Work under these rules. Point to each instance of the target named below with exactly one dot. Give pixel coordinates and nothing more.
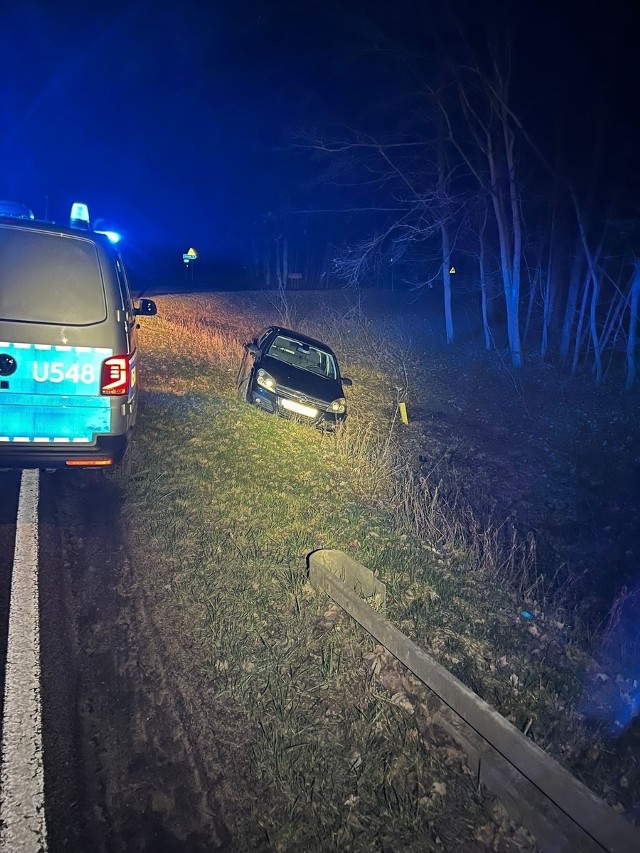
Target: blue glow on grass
(612, 697)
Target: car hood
(309, 384)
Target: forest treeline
(466, 167)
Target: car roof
(16, 223)
(304, 339)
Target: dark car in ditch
(290, 374)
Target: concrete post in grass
(353, 575)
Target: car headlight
(266, 380)
(338, 406)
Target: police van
(68, 345)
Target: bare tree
(571, 302)
(458, 120)
(443, 198)
(418, 207)
(483, 99)
(633, 327)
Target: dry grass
(232, 500)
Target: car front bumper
(306, 411)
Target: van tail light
(115, 378)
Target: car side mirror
(252, 348)
(346, 381)
(146, 307)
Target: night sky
(176, 121)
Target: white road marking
(22, 819)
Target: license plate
(49, 369)
(299, 408)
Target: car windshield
(302, 355)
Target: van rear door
(53, 338)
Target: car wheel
(243, 390)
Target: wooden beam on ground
(561, 812)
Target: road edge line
(22, 811)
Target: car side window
(327, 365)
(263, 337)
(125, 292)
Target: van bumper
(50, 456)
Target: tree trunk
(510, 239)
(446, 281)
(513, 328)
(444, 233)
(593, 276)
(546, 308)
(516, 226)
(285, 263)
(593, 327)
(267, 264)
(483, 289)
(533, 286)
(546, 287)
(633, 327)
(571, 303)
(578, 341)
(611, 328)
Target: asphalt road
(9, 487)
(120, 773)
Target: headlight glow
(338, 406)
(265, 380)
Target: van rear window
(49, 278)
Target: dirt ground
(535, 450)
(557, 458)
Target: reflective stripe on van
(52, 395)
(53, 418)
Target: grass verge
(232, 501)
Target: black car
(293, 375)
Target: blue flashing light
(112, 236)
(79, 217)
